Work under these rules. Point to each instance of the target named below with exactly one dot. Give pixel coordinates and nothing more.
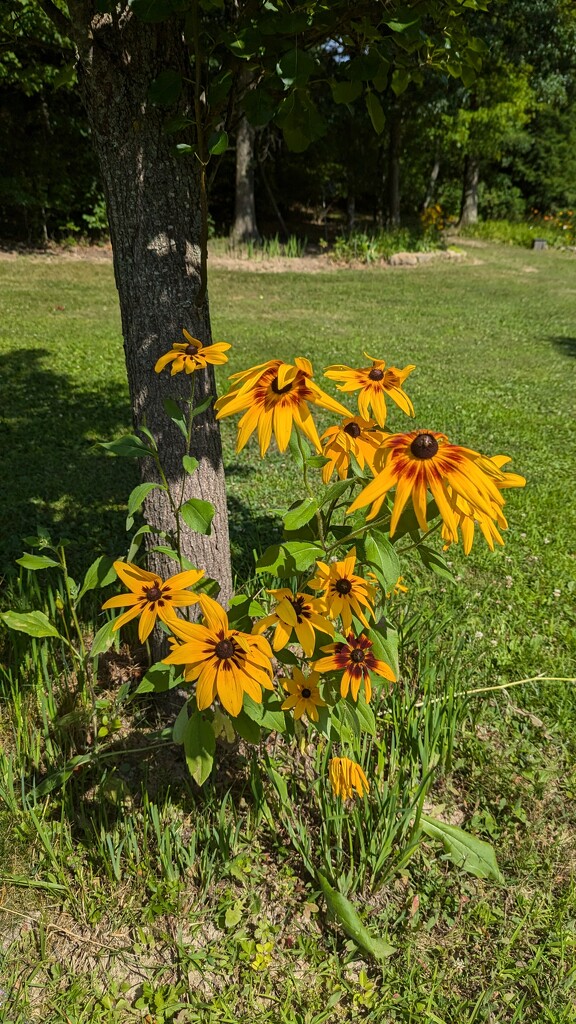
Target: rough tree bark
(245, 227)
(154, 212)
(469, 205)
(393, 175)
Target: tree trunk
(245, 228)
(154, 211)
(393, 176)
(469, 207)
(429, 197)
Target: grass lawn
(128, 893)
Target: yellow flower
(191, 355)
(374, 382)
(298, 613)
(354, 436)
(466, 516)
(347, 778)
(223, 661)
(343, 592)
(151, 597)
(398, 588)
(422, 460)
(356, 659)
(304, 695)
(275, 395)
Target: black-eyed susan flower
(151, 597)
(422, 460)
(354, 436)
(191, 355)
(304, 695)
(356, 661)
(374, 382)
(223, 662)
(295, 613)
(343, 592)
(273, 397)
(467, 517)
(347, 778)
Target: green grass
(128, 892)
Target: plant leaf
(104, 639)
(302, 514)
(347, 915)
(199, 746)
(289, 558)
(198, 515)
(31, 623)
(35, 562)
(466, 851)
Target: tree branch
(56, 16)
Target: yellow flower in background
(224, 662)
(295, 613)
(347, 778)
(398, 588)
(422, 460)
(273, 397)
(374, 382)
(344, 593)
(356, 661)
(151, 597)
(466, 516)
(354, 436)
(191, 355)
(304, 696)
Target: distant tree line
(497, 140)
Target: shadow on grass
(566, 346)
(54, 476)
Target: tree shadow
(566, 346)
(250, 533)
(55, 477)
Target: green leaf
(268, 714)
(346, 92)
(165, 90)
(381, 556)
(218, 143)
(158, 679)
(152, 10)
(199, 746)
(190, 464)
(347, 915)
(259, 106)
(104, 639)
(295, 67)
(469, 853)
(138, 495)
(289, 558)
(31, 623)
(198, 515)
(334, 491)
(365, 714)
(173, 410)
(129, 447)
(385, 648)
(433, 561)
(99, 574)
(374, 108)
(36, 562)
(302, 514)
(202, 406)
(247, 728)
(180, 725)
(184, 149)
(400, 80)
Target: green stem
(319, 518)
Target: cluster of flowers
(274, 397)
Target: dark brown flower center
(280, 391)
(357, 655)
(225, 649)
(190, 350)
(343, 586)
(424, 446)
(306, 693)
(376, 374)
(153, 593)
(353, 429)
(298, 604)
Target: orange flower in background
(344, 593)
(295, 613)
(354, 436)
(274, 397)
(422, 460)
(304, 695)
(374, 382)
(191, 355)
(347, 778)
(357, 661)
(224, 662)
(151, 597)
